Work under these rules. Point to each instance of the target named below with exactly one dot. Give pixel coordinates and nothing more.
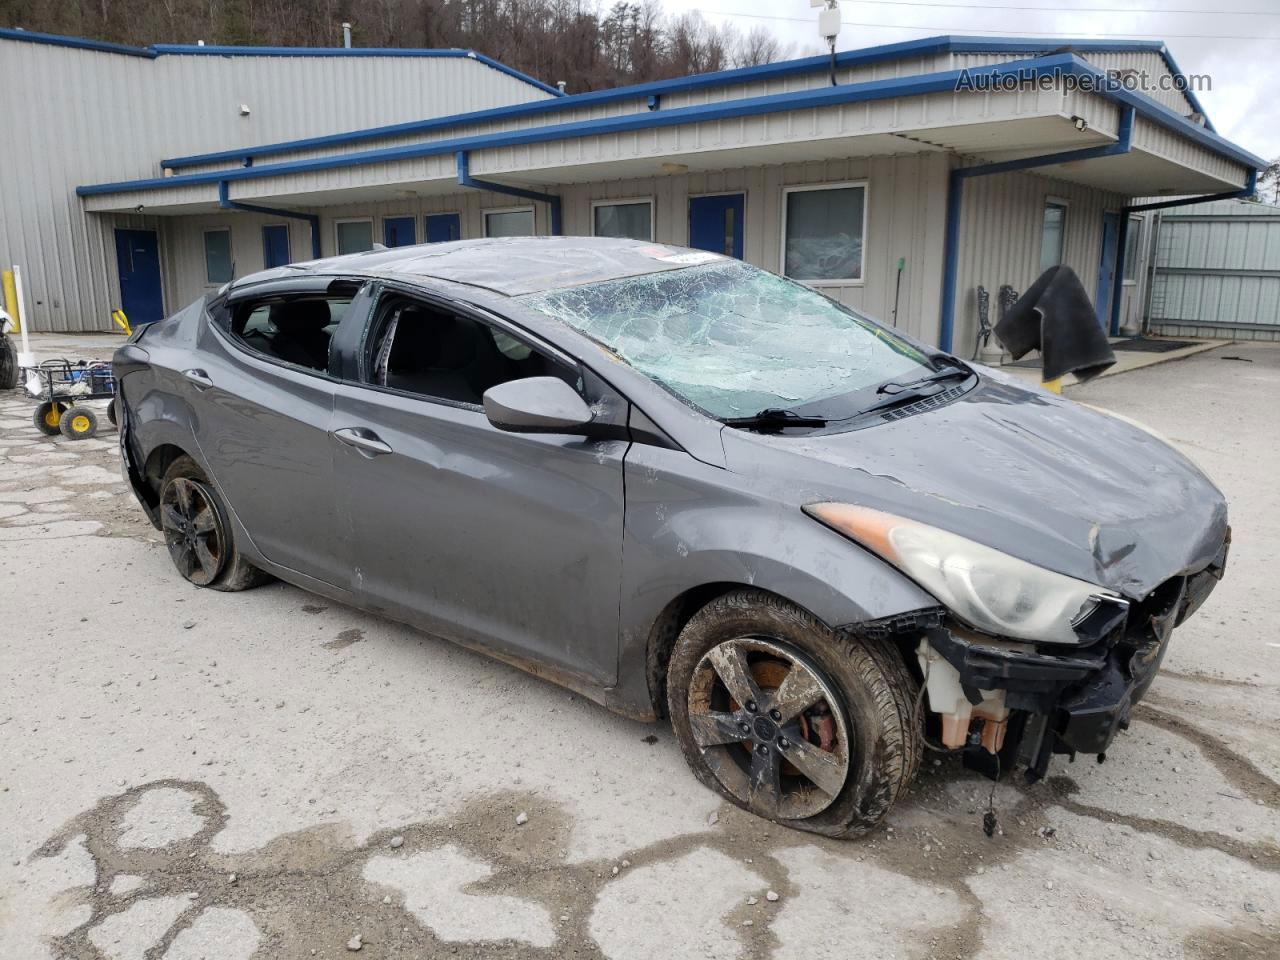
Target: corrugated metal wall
(1217, 271)
(1001, 226)
(906, 199)
(76, 116)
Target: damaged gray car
(686, 488)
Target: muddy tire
(8, 364)
(78, 423)
(198, 533)
(48, 417)
(112, 417)
(810, 730)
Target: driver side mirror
(536, 405)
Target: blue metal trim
(752, 106)
(465, 178)
(226, 203)
(951, 255)
(655, 89)
(1248, 190)
(57, 40)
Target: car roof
(510, 266)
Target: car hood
(1024, 471)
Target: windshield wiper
(774, 418)
(899, 394)
(896, 388)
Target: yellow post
(1053, 386)
(11, 301)
(122, 321)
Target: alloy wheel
(770, 727)
(193, 530)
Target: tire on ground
(78, 423)
(878, 690)
(48, 416)
(237, 572)
(8, 364)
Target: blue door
(275, 245)
(443, 227)
(138, 259)
(715, 223)
(1107, 268)
(398, 232)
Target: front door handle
(201, 379)
(364, 440)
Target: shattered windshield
(735, 340)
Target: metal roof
(201, 50)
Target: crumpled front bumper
(1058, 699)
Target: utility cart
(61, 386)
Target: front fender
(689, 524)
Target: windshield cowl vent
(928, 403)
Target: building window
(1053, 238)
(514, 222)
(354, 235)
(822, 232)
(632, 219)
(217, 256)
(1131, 246)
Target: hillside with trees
(588, 45)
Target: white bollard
(25, 358)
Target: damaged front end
(1013, 703)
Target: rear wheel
(197, 533)
(78, 423)
(48, 417)
(786, 719)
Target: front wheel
(198, 533)
(788, 720)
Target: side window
(434, 353)
(295, 330)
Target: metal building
(926, 170)
(1216, 271)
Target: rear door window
(294, 330)
(439, 354)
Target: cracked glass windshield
(735, 340)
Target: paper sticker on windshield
(684, 257)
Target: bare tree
(583, 42)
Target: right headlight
(989, 590)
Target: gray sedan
(686, 488)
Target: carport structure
(898, 183)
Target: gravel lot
(188, 774)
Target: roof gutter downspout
(226, 203)
(1117, 291)
(1123, 143)
(465, 178)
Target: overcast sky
(1235, 42)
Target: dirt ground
(188, 774)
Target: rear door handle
(364, 440)
(199, 378)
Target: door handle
(201, 379)
(364, 440)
